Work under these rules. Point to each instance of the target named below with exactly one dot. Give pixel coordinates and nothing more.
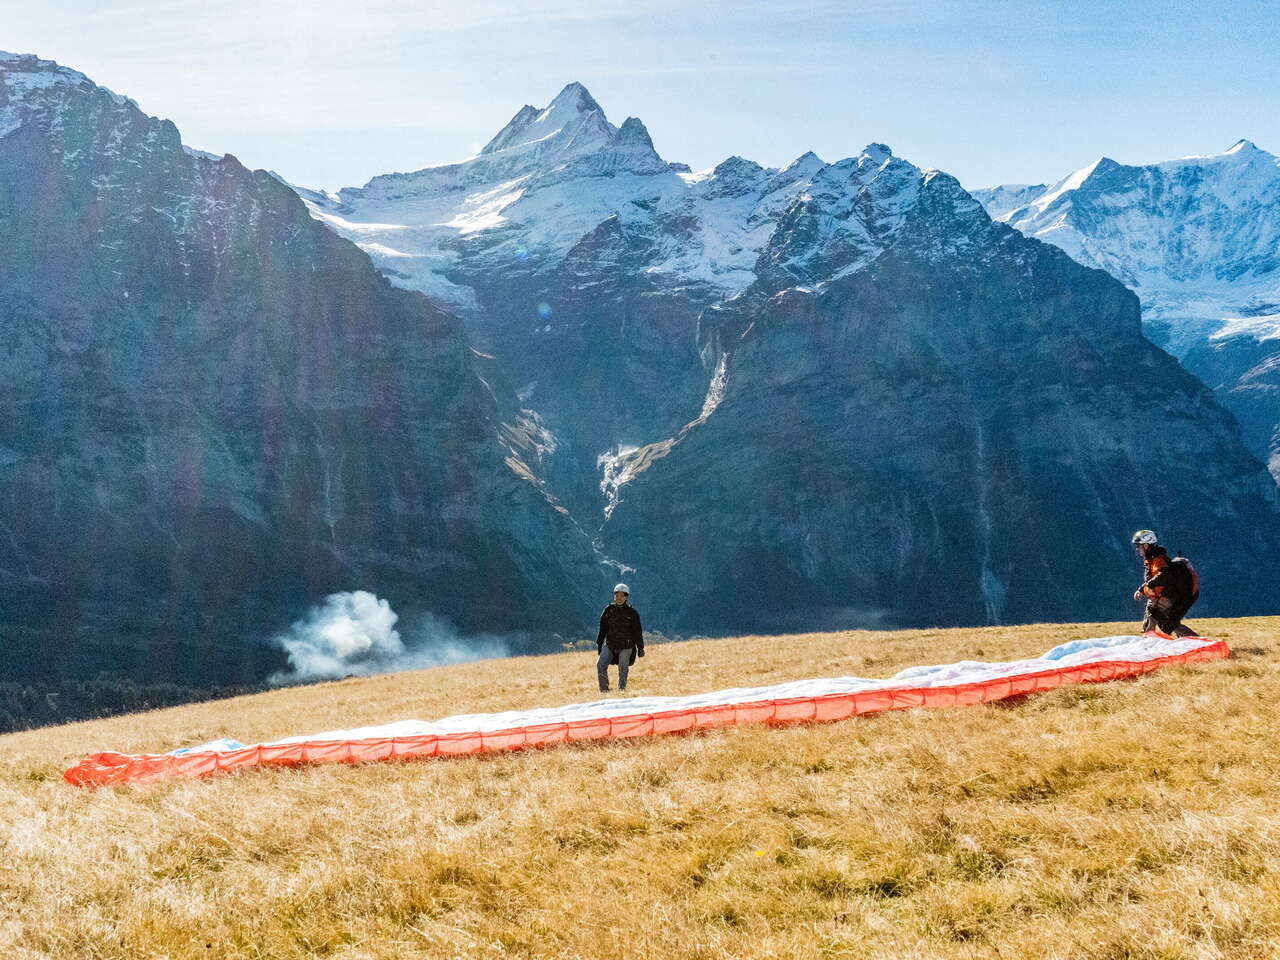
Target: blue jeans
(602, 667)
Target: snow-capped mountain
(1198, 239)
(546, 180)
(561, 214)
(787, 396)
(1008, 196)
(216, 412)
(821, 395)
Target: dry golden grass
(1128, 820)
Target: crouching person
(620, 639)
(1169, 590)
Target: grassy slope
(1133, 819)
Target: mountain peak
(737, 166)
(1242, 151)
(805, 165)
(634, 133)
(524, 116)
(24, 73)
(571, 107)
(1104, 165)
(1248, 150)
(575, 97)
(875, 153)
(30, 63)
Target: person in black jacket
(1169, 589)
(620, 639)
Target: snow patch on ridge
(1264, 327)
(622, 465)
(616, 469)
(1072, 181)
(715, 390)
(1198, 238)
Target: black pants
(1167, 619)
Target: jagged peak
(732, 177)
(524, 116)
(30, 63)
(33, 60)
(1102, 165)
(1240, 152)
(572, 107)
(874, 159)
(633, 132)
(802, 167)
(575, 96)
(1247, 150)
(806, 160)
(875, 153)
(28, 70)
(1072, 182)
(736, 166)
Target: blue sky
(331, 93)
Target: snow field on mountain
(551, 176)
(1263, 327)
(1197, 238)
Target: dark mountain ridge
(833, 394)
(216, 412)
(828, 395)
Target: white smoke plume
(354, 634)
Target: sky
(330, 93)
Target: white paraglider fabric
(1129, 648)
(958, 684)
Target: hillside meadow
(1136, 819)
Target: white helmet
(1145, 536)
(622, 588)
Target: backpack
(1188, 580)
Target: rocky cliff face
(956, 428)
(217, 411)
(580, 260)
(822, 395)
(831, 394)
(1198, 239)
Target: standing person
(620, 639)
(1170, 588)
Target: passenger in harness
(1169, 590)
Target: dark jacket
(1170, 586)
(620, 628)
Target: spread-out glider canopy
(956, 684)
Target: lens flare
(544, 311)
